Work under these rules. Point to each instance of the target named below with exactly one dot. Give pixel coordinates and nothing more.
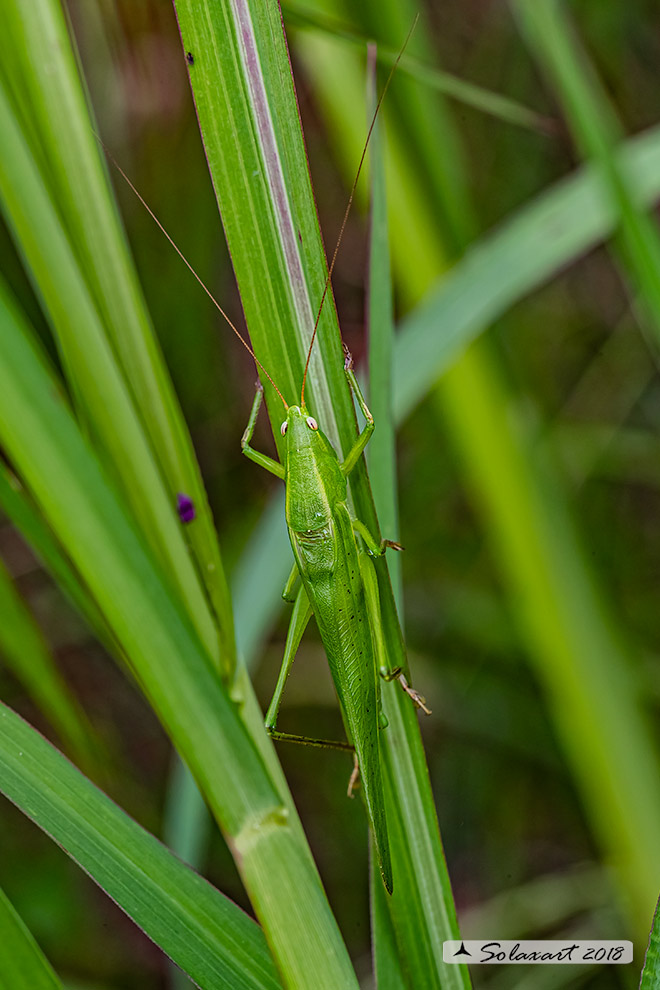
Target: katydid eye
(283, 427)
(311, 422)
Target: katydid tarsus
(333, 554)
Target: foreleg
(263, 459)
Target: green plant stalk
(55, 113)
(381, 453)
(393, 926)
(472, 385)
(251, 132)
(597, 133)
(41, 437)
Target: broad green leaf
(22, 963)
(201, 930)
(41, 438)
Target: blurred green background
(522, 855)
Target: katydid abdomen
(329, 564)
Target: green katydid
(332, 552)
(340, 588)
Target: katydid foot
(355, 777)
(418, 700)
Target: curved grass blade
(207, 935)
(208, 728)
(597, 131)
(508, 263)
(256, 582)
(21, 511)
(54, 108)
(24, 650)
(651, 971)
(22, 963)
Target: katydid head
(298, 425)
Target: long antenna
(191, 269)
(350, 203)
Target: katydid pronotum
(333, 559)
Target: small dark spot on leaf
(185, 508)
(190, 58)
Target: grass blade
(22, 512)
(201, 930)
(651, 972)
(597, 132)
(387, 968)
(507, 264)
(22, 964)
(485, 100)
(578, 655)
(24, 650)
(381, 453)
